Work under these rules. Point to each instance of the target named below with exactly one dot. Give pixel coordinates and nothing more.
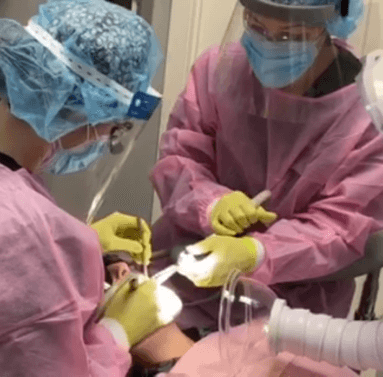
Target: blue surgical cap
(50, 96)
(341, 27)
(344, 27)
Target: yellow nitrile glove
(124, 232)
(209, 262)
(235, 212)
(136, 310)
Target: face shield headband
(141, 105)
(310, 15)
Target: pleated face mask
(278, 64)
(60, 161)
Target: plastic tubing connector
(341, 342)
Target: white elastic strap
(96, 133)
(117, 331)
(71, 61)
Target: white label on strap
(85, 71)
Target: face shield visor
(370, 79)
(105, 171)
(291, 57)
(293, 84)
(282, 49)
(370, 85)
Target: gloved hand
(137, 309)
(235, 212)
(124, 232)
(209, 262)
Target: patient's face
(118, 271)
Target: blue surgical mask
(61, 161)
(278, 64)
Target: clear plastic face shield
(370, 79)
(105, 171)
(281, 49)
(107, 147)
(293, 57)
(370, 85)
(244, 316)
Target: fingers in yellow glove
(236, 212)
(222, 254)
(266, 217)
(228, 222)
(142, 309)
(244, 216)
(221, 229)
(124, 232)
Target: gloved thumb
(266, 217)
(201, 248)
(123, 221)
(194, 250)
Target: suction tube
(356, 344)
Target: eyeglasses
(116, 135)
(113, 135)
(296, 33)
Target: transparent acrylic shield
(244, 313)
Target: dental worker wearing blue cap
(70, 82)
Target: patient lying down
(160, 350)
